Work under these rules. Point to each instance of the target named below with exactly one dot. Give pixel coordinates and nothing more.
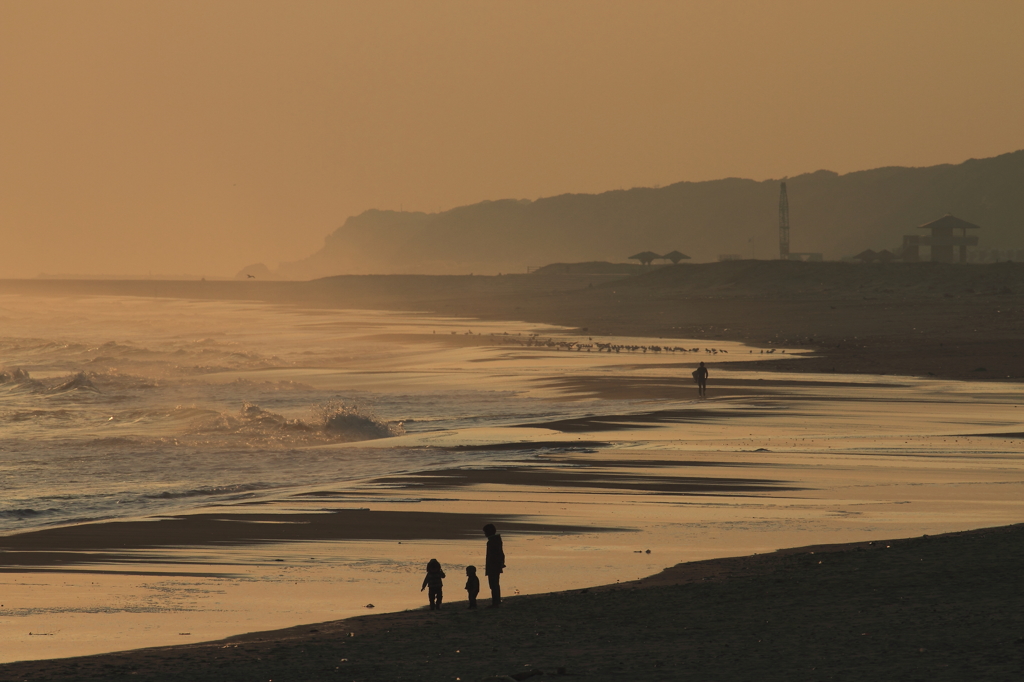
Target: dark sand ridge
(531, 476)
(669, 387)
(946, 607)
(640, 420)
(126, 542)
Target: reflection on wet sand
(625, 460)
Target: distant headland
(836, 215)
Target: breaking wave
(351, 424)
(78, 382)
(238, 489)
(17, 377)
(92, 382)
(26, 513)
(332, 422)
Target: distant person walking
(495, 563)
(435, 581)
(472, 585)
(700, 375)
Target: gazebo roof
(675, 254)
(948, 221)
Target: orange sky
(198, 137)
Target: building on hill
(942, 240)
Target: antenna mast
(783, 224)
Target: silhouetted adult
(701, 375)
(494, 563)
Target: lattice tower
(783, 224)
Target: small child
(434, 580)
(472, 585)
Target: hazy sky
(199, 137)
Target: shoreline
(620, 428)
(858, 631)
(921, 319)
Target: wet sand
(577, 508)
(937, 608)
(772, 460)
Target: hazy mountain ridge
(838, 215)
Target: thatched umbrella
(675, 257)
(645, 257)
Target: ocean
(120, 407)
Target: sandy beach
(642, 478)
(884, 609)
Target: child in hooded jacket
(434, 580)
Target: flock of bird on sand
(534, 340)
